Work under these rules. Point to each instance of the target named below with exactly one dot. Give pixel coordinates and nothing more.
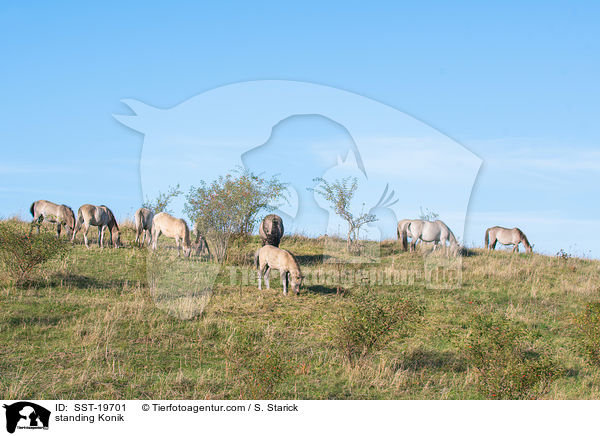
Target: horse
(403, 234)
(143, 224)
(269, 257)
(101, 217)
(271, 230)
(506, 236)
(172, 227)
(60, 214)
(427, 231)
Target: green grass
(90, 326)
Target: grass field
(89, 326)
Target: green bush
(22, 254)
(372, 321)
(588, 323)
(507, 366)
(258, 364)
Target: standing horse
(101, 217)
(60, 214)
(269, 257)
(401, 232)
(172, 227)
(271, 230)
(143, 224)
(427, 231)
(506, 236)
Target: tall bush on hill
(229, 206)
(339, 194)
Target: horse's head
(296, 281)
(69, 218)
(116, 238)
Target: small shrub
(563, 254)
(507, 367)
(22, 254)
(588, 323)
(372, 321)
(259, 365)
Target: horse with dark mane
(60, 214)
(271, 230)
(172, 227)
(437, 232)
(143, 225)
(506, 236)
(98, 216)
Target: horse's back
(277, 258)
(169, 225)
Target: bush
(372, 321)
(22, 254)
(588, 323)
(508, 368)
(229, 206)
(259, 365)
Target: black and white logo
(26, 415)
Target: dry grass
(93, 327)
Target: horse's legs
(86, 227)
(259, 273)
(516, 248)
(266, 275)
(156, 234)
(284, 281)
(58, 231)
(177, 242)
(493, 244)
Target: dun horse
(271, 230)
(101, 217)
(269, 257)
(143, 225)
(506, 237)
(403, 234)
(427, 231)
(172, 227)
(60, 214)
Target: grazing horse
(427, 231)
(269, 257)
(506, 237)
(143, 224)
(271, 230)
(172, 227)
(403, 235)
(101, 217)
(60, 214)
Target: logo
(26, 415)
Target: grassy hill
(88, 326)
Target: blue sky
(514, 83)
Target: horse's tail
(487, 238)
(32, 209)
(256, 259)
(403, 236)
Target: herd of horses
(149, 227)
